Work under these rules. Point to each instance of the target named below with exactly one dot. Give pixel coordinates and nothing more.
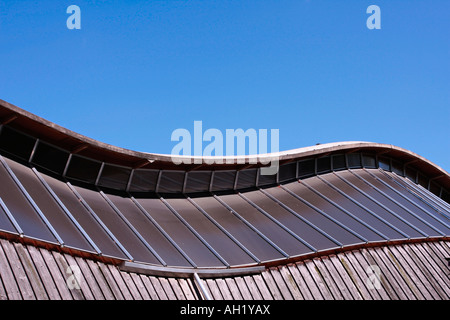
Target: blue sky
(138, 70)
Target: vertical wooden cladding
(413, 271)
(31, 273)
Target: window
(83, 169)
(50, 158)
(354, 160)
(114, 177)
(323, 164)
(306, 168)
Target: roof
(138, 213)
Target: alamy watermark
(374, 20)
(227, 149)
(373, 280)
(74, 277)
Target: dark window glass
(397, 167)
(446, 196)
(306, 168)
(265, 180)
(384, 164)
(323, 164)
(171, 181)
(339, 162)
(354, 160)
(410, 174)
(246, 178)
(83, 169)
(114, 177)
(198, 181)
(50, 158)
(423, 181)
(369, 161)
(144, 180)
(16, 143)
(434, 188)
(223, 180)
(287, 171)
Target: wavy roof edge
(70, 140)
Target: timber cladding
(407, 271)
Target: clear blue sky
(137, 70)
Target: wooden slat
(140, 286)
(149, 286)
(327, 278)
(18, 272)
(7, 275)
(58, 277)
(290, 283)
(271, 285)
(223, 287)
(309, 281)
(213, 289)
(158, 288)
(387, 280)
(82, 283)
(187, 287)
(439, 261)
(442, 254)
(341, 272)
(419, 262)
(101, 280)
(433, 268)
(62, 264)
(422, 290)
(301, 284)
(3, 294)
(243, 289)
(400, 277)
(385, 291)
(176, 288)
(440, 251)
(167, 289)
(44, 274)
(355, 274)
(256, 295)
(232, 286)
(262, 287)
(120, 283)
(446, 246)
(90, 279)
(285, 292)
(409, 277)
(129, 283)
(418, 272)
(318, 279)
(347, 290)
(115, 289)
(32, 273)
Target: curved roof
(50, 135)
(61, 189)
